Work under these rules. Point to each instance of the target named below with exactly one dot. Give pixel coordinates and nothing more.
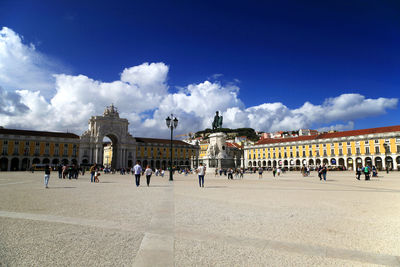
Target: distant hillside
(248, 132)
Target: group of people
(230, 172)
(366, 170)
(275, 171)
(72, 172)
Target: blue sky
(267, 52)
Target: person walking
(274, 171)
(201, 170)
(358, 173)
(366, 173)
(278, 171)
(137, 171)
(230, 174)
(241, 173)
(60, 171)
(47, 171)
(320, 172)
(324, 170)
(92, 172)
(148, 172)
(260, 172)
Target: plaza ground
(286, 221)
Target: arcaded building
(375, 146)
(22, 149)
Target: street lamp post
(172, 123)
(386, 147)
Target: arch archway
(378, 163)
(25, 164)
(85, 161)
(250, 164)
(35, 161)
(274, 163)
(325, 161)
(359, 162)
(164, 165)
(65, 161)
(350, 165)
(368, 162)
(318, 162)
(311, 162)
(15, 164)
(259, 164)
(298, 162)
(389, 162)
(158, 164)
(264, 163)
(269, 163)
(3, 164)
(46, 161)
(110, 150)
(55, 162)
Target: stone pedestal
(217, 156)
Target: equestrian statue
(217, 123)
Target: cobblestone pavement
(286, 221)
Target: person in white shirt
(137, 171)
(201, 170)
(148, 172)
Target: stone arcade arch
(3, 164)
(15, 164)
(115, 128)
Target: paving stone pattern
(286, 221)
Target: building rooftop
(387, 129)
(38, 133)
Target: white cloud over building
(35, 95)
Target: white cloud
(142, 96)
(338, 127)
(22, 67)
(277, 116)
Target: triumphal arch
(116, 129)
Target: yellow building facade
(22, 149)
(157, 153)
(345, 150)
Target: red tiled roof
(38, 133)
(387, 129)
(235, 145)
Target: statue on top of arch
(111, 111)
